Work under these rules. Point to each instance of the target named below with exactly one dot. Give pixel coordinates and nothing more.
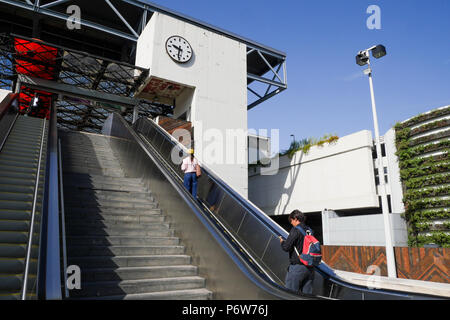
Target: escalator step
(14, 225)
(10, 250)
(16, 196)
(15, 215)
(16, 237)
(16, 205)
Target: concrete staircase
(18, 168)
(115, 231)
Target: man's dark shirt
(295, 238)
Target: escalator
(19, 162)
(25, 204)
(245, 233)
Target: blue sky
(327, 92)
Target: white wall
(338, 176)
(218, 74)
(365, 230)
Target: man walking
(299, 277)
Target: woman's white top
(188, 165)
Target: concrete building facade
(210, 91)
(336, 185)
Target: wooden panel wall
(429, 264)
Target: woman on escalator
(192, 171)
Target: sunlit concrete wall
(338, 176)
(216, 98)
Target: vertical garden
(423, 144)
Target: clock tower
(204, 74)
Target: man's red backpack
(311, 254)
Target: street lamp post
(362, 59)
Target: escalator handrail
(33, 215)
(256, 276)
(276, 229)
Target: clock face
(179, 49)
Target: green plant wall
(425, 175)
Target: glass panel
(231, 213)
(255, 234)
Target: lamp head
(379, 51)
(362, 58)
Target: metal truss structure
(111, 28)
(85, 87)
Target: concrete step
(92, 164)
(80, 177)
(113, 288)
(130, 232)
(193, 294)
(138, 273)
(112, 218)
(110, 251)
(121, 240)
(106, 153)
(107, 224)
(110, 210)
(110, 204)
(96, 171)
(129, 261)
(77, 193)
(104, 195)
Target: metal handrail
(33, 215)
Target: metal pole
(390, 256)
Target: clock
(179, 49)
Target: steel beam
(74, 91)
